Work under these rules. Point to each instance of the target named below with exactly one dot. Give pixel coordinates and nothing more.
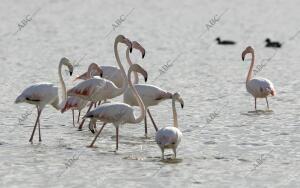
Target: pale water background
(210, 78)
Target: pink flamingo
(257, 87)
(98, 89)
(76, 103)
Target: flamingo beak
(71, 73)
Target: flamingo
(119, 113)
(97, 89)
(150, 94)
(135, 45)
(170, 137)
(257, 87)
(76, 103)
(41, 94)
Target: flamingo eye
(173, 143)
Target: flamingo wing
(73, 102)
(260, 87)
(117, 113)
(39, 93)
(87, 87)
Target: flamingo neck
(136, 78)
(63, 86)
(249, 76)
(174, 113)
(121, 90)
(139, 100)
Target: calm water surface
(237, 148)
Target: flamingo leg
(146, 129)
(82, 122)
(99, 103)
(267, 103)
(95, 105)
(78, 116)
(91, 145)
(39, 124)
(36, 122)
(73, 118)
(152, 120)
(255, 103)
(163, 153)
(174, 151)
(117, 138)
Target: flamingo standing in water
(119, 113)
(257, 87)
(76, 103)
(41, 94)
(150, 94)
(98, 89)
(135, 45)
(170, 137)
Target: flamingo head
(137, 46)
(139, 69)
(124, 40)
(268, 40)
(65, 61)
(176, 96)
(218, 39)
(249, 49)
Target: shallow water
(237, 148)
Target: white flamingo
(41, 94)
(76, 103)
(119, 113)
(98, 89)
(170, 137)
(150, 94)
(257, 87)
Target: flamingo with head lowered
(119, 113)
(257, 87)
(170, 137)
(41, 94)
(98, 89)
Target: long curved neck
(136, 77)
(174, 113)
(139, 100)
(121, 90)
(249, 76)
(63, 86)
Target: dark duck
(273, 44)
(224, 42)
